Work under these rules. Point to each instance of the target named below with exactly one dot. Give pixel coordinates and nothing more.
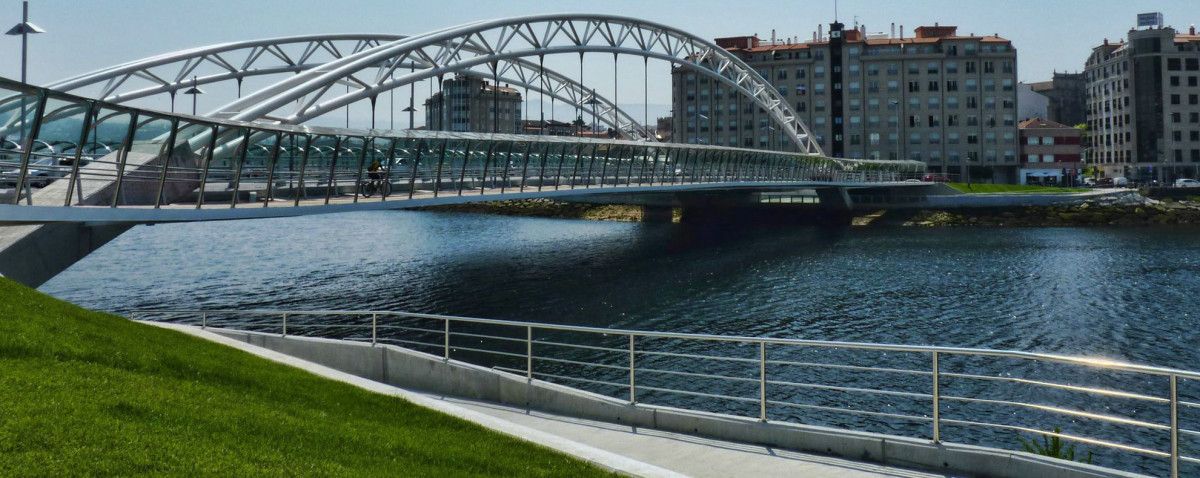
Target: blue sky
(84, 35)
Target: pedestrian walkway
(686, 454)
(622, 448)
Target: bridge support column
(835, 199)
(32, 255)
(658, 214)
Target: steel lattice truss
(486, 44)
(173, 72)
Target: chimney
(901, 32)
(1192, 29)
(772, 36)
(893, 35)
(820, 32)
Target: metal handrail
(933, 398)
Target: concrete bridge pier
(658, 214)
(835, 199)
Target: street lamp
(25, 28)
(701, 116)
(593, 101)
(195, 92)
(410, 110)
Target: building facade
(1067, 93)
(1143, 105)
(1031, 104)
(1051, 153)
(946, 99)
(471, 104)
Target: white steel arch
(239, 60)
(531, 36)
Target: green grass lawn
(977, 188)
(83, 392)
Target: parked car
(1089, 181)
(1104, 182)
(1120, 181)
(40, 173)
(1187, 183)
(936, 178)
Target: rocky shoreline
(1127, 210)
(549, 208)
(1121, 210)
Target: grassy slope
(86, 392)
(1012, 188)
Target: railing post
(284, 326)
(203, 320)
(528, 352)
(446, 348)
(632, 375)
(374, 328)
(762, 380)
(1174, 426)
(937, 432)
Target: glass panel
(185, 166)
(218, 166)
(52, 153)
(140, 168)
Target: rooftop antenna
(835, 12)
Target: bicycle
(372, 186)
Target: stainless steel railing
(987, 396)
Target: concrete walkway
(685, 454)
(620, 448)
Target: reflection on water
(1109, 292)
(1119, 293)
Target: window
(989, 67)
(933, 86)
(951, 85)
(931, 68)
(781, 74)
(914, 87)
(1049, 140)
(970, 66)
(1032, 140)
(1033, 158)
(972, 84)
(1174, 99)
(1174, 80)
(893, 86)
(1173, 64)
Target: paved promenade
(624, 449)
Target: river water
(1128, 294)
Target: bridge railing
(143, 158)
(1134, 417)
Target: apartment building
(1143, 98)
(939, 97)
(1050, 152)
(471, 104)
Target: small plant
(1052, 446)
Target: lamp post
(25, 28)
(593, 102)
(195, 92)
(701, 116)
(410, 110)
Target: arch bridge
(75, 171)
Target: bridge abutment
(33, 254)
(658, 214)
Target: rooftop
(1041, 123)
(923, 35)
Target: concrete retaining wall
(420, 371)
